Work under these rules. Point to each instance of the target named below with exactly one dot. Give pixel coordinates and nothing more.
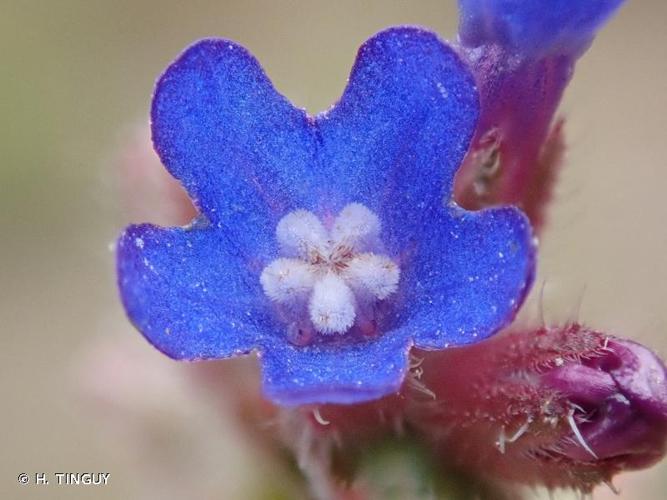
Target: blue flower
(323, 244)
(535, 27)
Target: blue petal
(534, 26)
(189, 293)
(241, 150)
(335, 373)
(468, 278)
(398, 134)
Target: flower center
(329, 279)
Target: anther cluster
(329, 278)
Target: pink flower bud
(562, 407)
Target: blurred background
(76, 78)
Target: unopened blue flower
(535, 27)
(327, 244)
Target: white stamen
(300, 232)
(287, 280)
(356, 226)
(318, 283)
(332, 308)
(374, 274)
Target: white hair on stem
(578, 435)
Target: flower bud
(522, 55)
(561, 407)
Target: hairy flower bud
(562, 407)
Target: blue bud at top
(534, 27)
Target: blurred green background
(75, 75)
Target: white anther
(332, 305)
(287, 280)
(356, 226)
(372, 274)
(301, 232)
